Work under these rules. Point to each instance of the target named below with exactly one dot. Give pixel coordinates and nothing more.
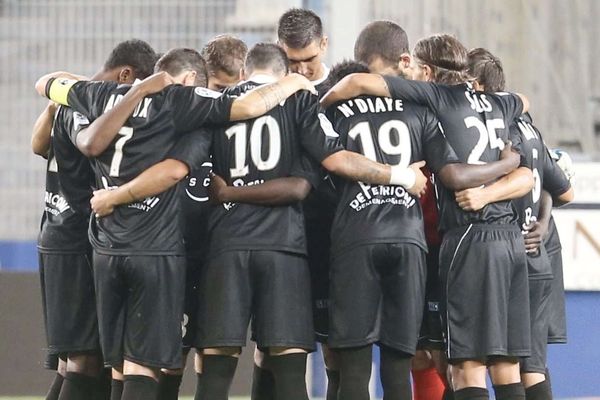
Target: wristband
(402, 176)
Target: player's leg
(283, 320)
(55, 362)
(354, 320)
(533, 368)
(402, 271)
(429, 366)
(263, 382)
(332, 368)
(221, 330)
(154, 310)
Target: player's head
(266, 58)
(300, 34)
(487, 70)
(187, 67)
(129, 60)
(225, 56)
(340, 70)
(383, 46)
(440, 58)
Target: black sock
(139, 387)
(471, 393)
(448, 394)
(102, 389)
(333, 384)
(168, 386)
(539, 391)
(355, 373)
(54, 390)
(116, 389)
(77, 387)
(395, 374)
(263, 384)
(289, 373)
(217, 374)
(512, 391)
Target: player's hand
(510, 156)
(473, 199)
(155, 83)
(304, 83)
(418, 189)
(216, 189)
(534, 236)
(101, 202)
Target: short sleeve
(88, 97)
(193, 148)
(317, 135)
(193, 107)
(438, 151)
(422, 93)
(516, 138)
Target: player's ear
(190, 78)
(243, 74)
(126, 75)
(427, 72)
(324, 42)
(404, 64)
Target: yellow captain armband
(57, 89)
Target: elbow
(333, 164)
(39, 149)
(87, 146)
(40, 86)
(565, 198)
(301, 189)
(177, 170)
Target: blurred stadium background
(550, 50)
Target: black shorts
(140, 308)
(431, 337)
(270, 287)
(485, 300)
(539, 296)
(318, 247)
(189, 324)
(69, 303)
(377, 295)
(557, 319)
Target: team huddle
(401, 199)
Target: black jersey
(390, 132)
(69, 181)
(545, 174)
(194, 190)
(476, 125)
(274, 145)
(150, 226)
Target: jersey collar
(325, 75)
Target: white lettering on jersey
(204, 92)
(327, 127)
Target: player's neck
(322, 74)
(263, 76)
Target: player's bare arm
(460, 176)
(41, 85)
(262, 99)
(156, 179)
(42, 129)
(514, 185)
(356, 167)
(537, 230)
(355, 85)
(275, 192)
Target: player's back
(250, 153)
(148, 226)
(391, 132)
(476, 125)
(69, 181)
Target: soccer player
(383, 46)
(300, 34)
(224, 55)
(482, 258)
(138, 269)
(65, 252)
(489, 75)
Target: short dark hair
(266, 56)
(340, 70)
(383, 39)
(445, 55)
(225, 53)
(486, 69)
(178, 60)
(137, 54)
(298, 28)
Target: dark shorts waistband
(483, 228)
